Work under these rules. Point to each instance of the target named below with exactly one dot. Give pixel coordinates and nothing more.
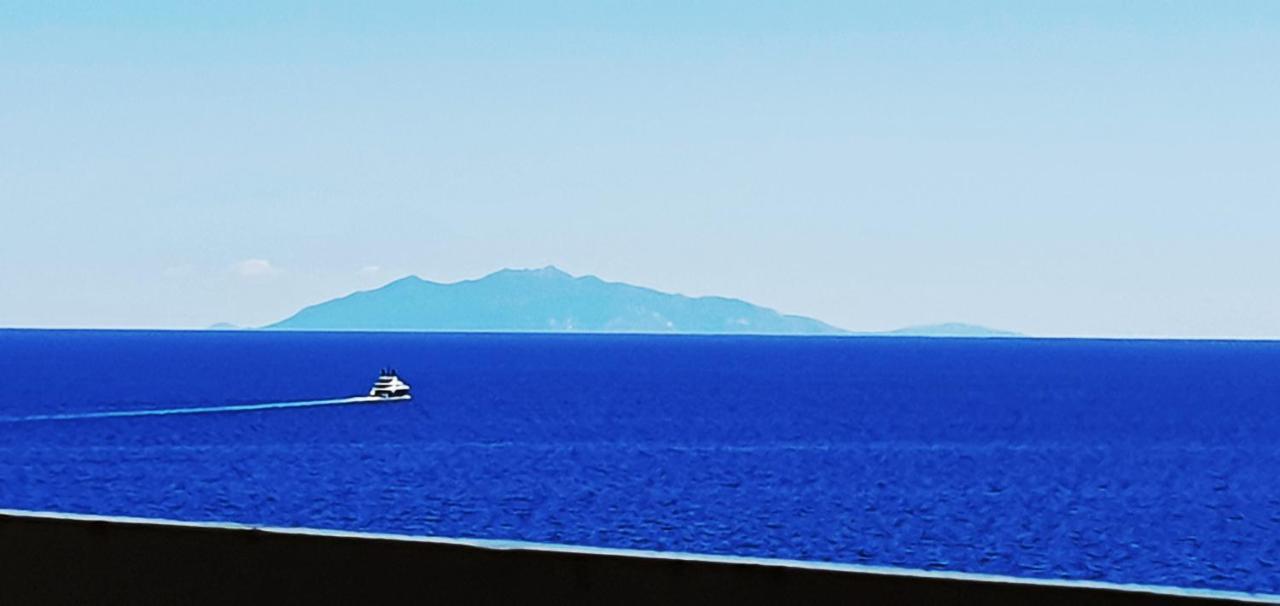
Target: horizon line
(888, 334)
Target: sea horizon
(846, 335)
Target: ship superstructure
(389, 385)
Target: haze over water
(1124, 461)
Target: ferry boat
(389, 385)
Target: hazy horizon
(1091, 169)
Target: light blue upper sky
(1057, 168)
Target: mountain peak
(407, 282)
(549, 271)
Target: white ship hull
(385, 399)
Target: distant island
(951, 329)
(552, 300)
(543, 300)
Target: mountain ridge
(549, 299)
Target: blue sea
(1154, 462)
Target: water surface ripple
(1123, 461)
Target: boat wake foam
(199, 409)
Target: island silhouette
(552, 300)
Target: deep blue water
(1123, 461)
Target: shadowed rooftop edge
(65, 558)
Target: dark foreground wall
(57, 560)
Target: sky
(1057, 168)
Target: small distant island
(552, 300)
(951, 329)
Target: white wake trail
(200, 409)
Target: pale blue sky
(1068, 168)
